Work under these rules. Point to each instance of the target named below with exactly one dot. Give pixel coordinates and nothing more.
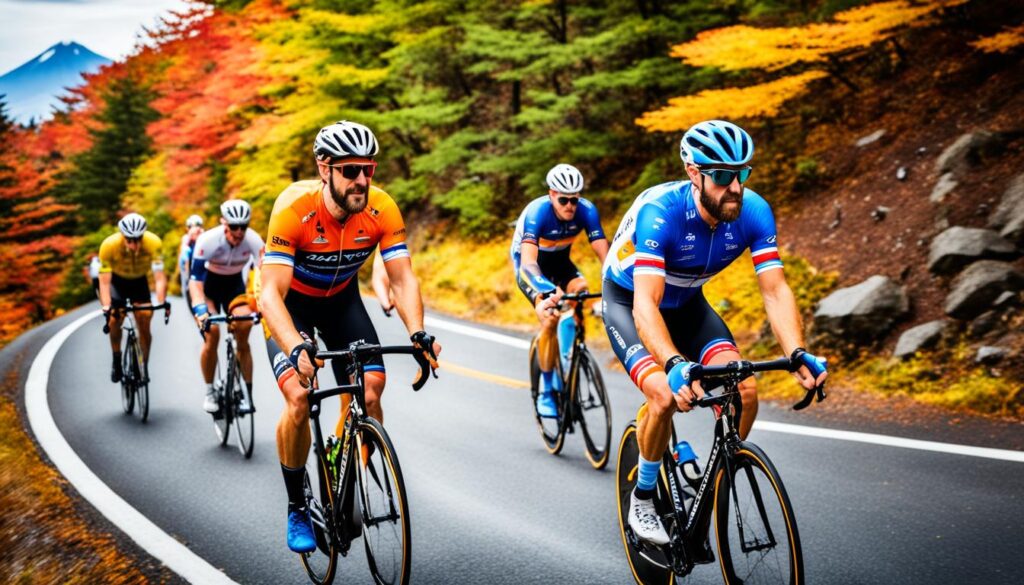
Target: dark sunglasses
(352, 171)
(240, 227)
(725, 177)
(567, 200)
(133, 240)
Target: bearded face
(354, 197)
(726, 207)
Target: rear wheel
(244, 424)
(552, 430)
(647, 563)
(595, 414)
(222, 418)
(322, 562)
(755, 526)
(142, 385)
(385, 510)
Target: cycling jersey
(116, 258)
(538, 224)
(215, 254)
(663, 234)
(325, 253)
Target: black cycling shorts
(696, 330)
(338, 320)
(223, 291)
(556, 267)
(122, 290)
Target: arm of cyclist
(600, 247)
(784, 316)
(544, 294)
(275, 281)
(197, 290)
(649, 290)
(381, 285)
(409, 303)
(160, 280)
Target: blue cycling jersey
(663, 234)
(538, 224)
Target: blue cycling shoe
(546, 406)
(300, 531)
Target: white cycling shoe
(210, 403)
(644, 521)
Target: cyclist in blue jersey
(544, 272)
(193, 229)
(675, 237)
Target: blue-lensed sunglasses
(725, 177)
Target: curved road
(488, 504)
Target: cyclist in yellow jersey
(125, 258)
(320, 234)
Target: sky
(107, 27)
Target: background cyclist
(543, 269)
(674, 238)
(193, 228)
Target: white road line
(475, 332)
(949, 448)
(149, 536)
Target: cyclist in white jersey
(217, 285)
(193, 229)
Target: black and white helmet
(344, 139)
(236, 211)
(565, 179)
(194, 221)
(132, 225)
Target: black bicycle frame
(572, 376)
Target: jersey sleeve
(764, 250)
(592, 222)
(532, 224)
(154, 245)
(107, 252)
(282, 237)
(652, 239)
(255, 243)
(392, 240)
(197, 267)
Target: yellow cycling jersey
(117, 258)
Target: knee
(297, 406)
(748, 392)
(660, 404)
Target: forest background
(474, 100)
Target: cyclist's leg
(567, 320)
(239, 307)
(702, 336)
(547, 350)
(117, 301)
(137, 289)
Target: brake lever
(818, 392)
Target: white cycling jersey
(213, 253)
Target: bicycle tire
(384, 515)
(754, 498)
(553, 435)
(644, 571)
(322, 563)
(595, 396)
(244, 423)
(222, 418)
(127, 384)
(141, 386)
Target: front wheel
(127, 382)
(755, 526)
(141, 383)
(648, 564)
(595, 414)
(385, 510)
(244, 424)
(552, 430)
(322, 562)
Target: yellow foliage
(147, 188)
(730, 103)
(1003, 42)
(746, 47)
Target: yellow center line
(471, 373)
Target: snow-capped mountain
(32, 89)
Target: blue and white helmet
(565, 179)
(344, 139)
(716, 142)
(194, 221)
(132, 225)
(236, 211)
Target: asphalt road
(488, 504)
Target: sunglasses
(239, 227)
(568, 200)
(725, 177)
(133, 240)
(352, 171)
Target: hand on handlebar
(684, 393)
(303, 359)
(813, 370)
(431, 348)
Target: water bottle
(566, 337)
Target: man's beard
(716, 209)
(353, 205)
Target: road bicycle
(134, 377)
(230, 389)
(741, 491)
(362, 467)
(583, 399)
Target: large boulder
(1008, 216)
(967, 151)
(864, 312)
(975, 290)
(920, 337)
(943, 187)
(959, 246)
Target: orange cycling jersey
(324, 252)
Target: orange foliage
(1003, 42)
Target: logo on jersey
(688, 257)
(279, 241)
(320, 240)
(728, 235)
(618, 338)
(650, 243)
(309, 216)
(686, 247)
(690, 237)
(362, 239)
(691, 213)
(633, 349)
(374, 212)
(771, 239)
(731, 246)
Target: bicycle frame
(570, 379)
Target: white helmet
(236, 211)
(565, 179)
(194, 221)
(132, 225)
(344, 139)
